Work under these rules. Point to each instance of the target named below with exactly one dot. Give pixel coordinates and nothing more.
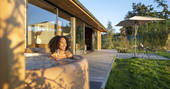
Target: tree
(124, 44)
(107, 38)
(164, 13)
(153, 34)
(140, 9)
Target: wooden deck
(100, 63)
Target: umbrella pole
(136, 29)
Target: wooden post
(93, 40)
(26, 29)
(73, 29)
(98, 40)
(56, 26)
(84, 45)
(12, 43)
(59, 29)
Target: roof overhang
(73, 7)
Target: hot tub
(44, 73)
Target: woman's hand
(52, 56)
(68, 54)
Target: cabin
(48, 18)
(30, 24)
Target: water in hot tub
(37, 61)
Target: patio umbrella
(136, 21)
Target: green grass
(163, 53)
(138, 51)
(139, 74)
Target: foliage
(124, 43)
(107, 39)
(112, 40)
(140, 9)
(122, 50)
(163, 53)
(79, 37)
(153, 34)
(139, 74)
(164, 13)
(116, 40)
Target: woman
(59, 48)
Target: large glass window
(64, 26)
(41, 26)
(45, 24)
(95, 39)
(80, 40)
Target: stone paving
(100, 63)
(140, 55)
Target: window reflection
(64, 26)
(95, 40)
(79, 37)
(41, 27)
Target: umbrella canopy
(137, 20)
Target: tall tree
(107, 38)
(140, 9)
(164, 13)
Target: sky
(113, 10)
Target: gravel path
(140, 55)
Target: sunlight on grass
(163, 53)
(139, 74)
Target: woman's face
(62, 44)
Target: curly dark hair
(54, 43)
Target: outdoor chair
(147, 51)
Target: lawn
(139, 74)
(163, 53)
